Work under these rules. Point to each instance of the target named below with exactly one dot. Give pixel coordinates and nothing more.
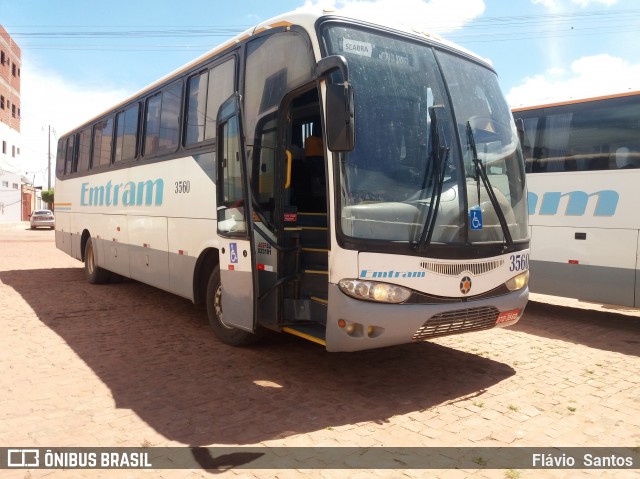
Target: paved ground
(125, 364)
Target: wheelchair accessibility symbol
(233, 253)
(475, 219)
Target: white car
(42, 218)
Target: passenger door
(234, 221)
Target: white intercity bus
(583, 173)
(352, 184)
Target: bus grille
(455, 269)
(460, 321)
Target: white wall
(10, 197)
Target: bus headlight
(518, 282)
(374, 291)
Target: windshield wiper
(436, 170)
(481, 173)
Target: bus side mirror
(340, 126)
(340, 122)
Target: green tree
(47, 197)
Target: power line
(480, 30)
(116, 48)
(548, 33)
(164, 33)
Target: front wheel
(227, 334)
(93, 273)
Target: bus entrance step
(312, 309)
(314, 235)
(314, 283)
(311, 332)
(318, 308)
(315, 258)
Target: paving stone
(124, 364)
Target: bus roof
(573, 101)
(304, 18)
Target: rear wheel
(94, 274)
(226, 334)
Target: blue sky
(81, 57)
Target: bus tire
(93, 273)
(227, 334)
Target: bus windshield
(408, 175)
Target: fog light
(518, 282)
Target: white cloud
(552, 5)
(558, 5)
(586, 3)
(590, 76)
(49, 100)
(439, 16)
(556, 71)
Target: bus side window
(625, 158)
(152, 125)
(60, 157)
(162, 121)
(70, 155)
(196, 108)
(126, 134)
(84, 150)
(528, 134)
(206, 92)
(102, 143)
(222, 80)
(170, 117)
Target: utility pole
(49, 159)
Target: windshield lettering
(357, 48)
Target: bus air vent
(460, 321)
(455, 269)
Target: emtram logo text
(606, 202)
(147, 193)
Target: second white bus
(583, 173)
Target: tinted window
(163, 121)
(102, 139)
(84, 149)
(170, 118)
(68, 166)
(595, 135)
(221, 86)
(60, 157)
(127, 134)
(196, 108)
(276, 64)
(152, 128)
(207, 91)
